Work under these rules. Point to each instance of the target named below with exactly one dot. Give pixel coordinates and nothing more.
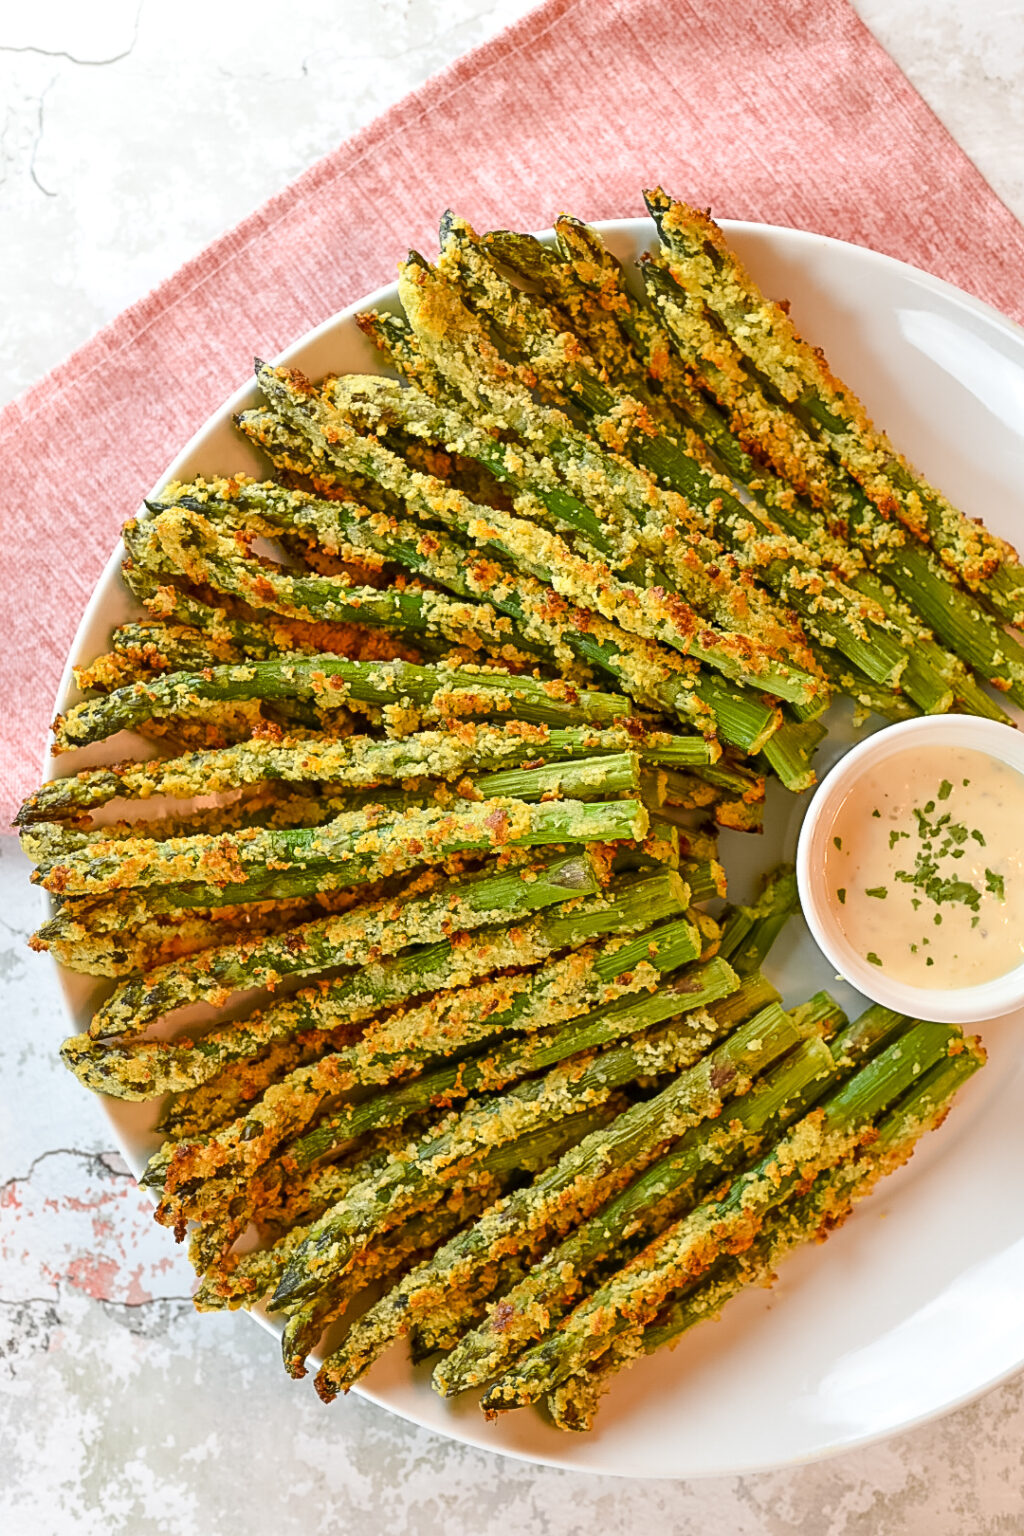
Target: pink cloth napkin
(785, 111)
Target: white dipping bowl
(956, 1005)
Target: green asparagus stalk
(571, 1190)
(925, 580)
(444, 1331)
(514, 1059)
(587, 1077)
(451, 1017)
(661, 1192)
(748, 933)
(695, 1164)
(433, 621)
(424, 1232)
(366, 936)
(539, 554)
(360, 761)
(651, 674)
(246, 1278)
(828, 608)
(801, 1218)
(448, 1024)
(358, 846)
(455, 339)
(799, 375)
(590, 283)
(439, 692)
(687, 1249)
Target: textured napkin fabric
(785, 111)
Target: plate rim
(641, 228)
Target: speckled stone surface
(120, 1410)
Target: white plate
(916, 1304)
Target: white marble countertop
(120, 1409)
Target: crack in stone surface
(62, 53)
(39, 139)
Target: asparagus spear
(748, 933)
(284, 1110)
(357, 761)
(568, 1192)
(800, 376)
(424, 1232)
(586, 1077)
(742, 719)
(245, 1278)
(646, 612)
(366, 936)
(433, 621)
(443, 1331)
(146, 1068)
(358, 846)
(924, 585)
(685, 1250)
(667, 1187)
(440, 692)
(456, 341)
(829, 609)
(801, 1218)
(590, 282)
(230, 1094)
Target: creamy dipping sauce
(924, 867)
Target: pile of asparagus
(449, 713)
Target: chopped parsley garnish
(838, 843)
(872, 958)
(841, 893)
(995, 884)
(945, 789)
(876, 813)
(878, 891)
(929, 960)
(978, 837)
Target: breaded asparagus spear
(829, 609)
(431, 693)
(909, 581)
(550, 1006)
(652, 674)
(800, 1219)
(570, 1191)
(417, 1238)
(823, 1139)
(447, 1154)
(663, 1190)
(799, 375)
(669, 1186)
(432, 621)
(357, 847)
(637, 351)
(468, 746)
(145, 1068)
(648, 612)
